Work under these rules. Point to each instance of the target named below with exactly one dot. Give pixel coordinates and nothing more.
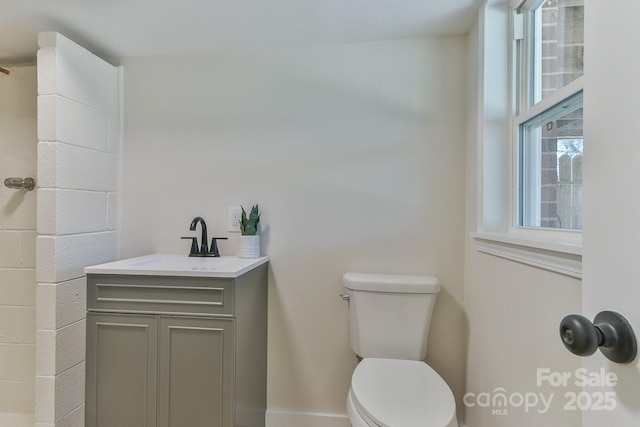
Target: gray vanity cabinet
(196, 371)
(121, 353)
(176, 351)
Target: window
(548, 126)
(529, 133)
(550, 170)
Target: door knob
(610, 332)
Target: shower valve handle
(20, 183)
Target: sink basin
(179, 265)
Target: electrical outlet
(234, 219)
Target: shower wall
(18, 142)
(79, 142)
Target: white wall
(513, 312)
(79, 134)
(18, 142)
(355, 154)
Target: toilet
(389, 317)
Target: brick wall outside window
(562, 62)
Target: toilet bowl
(399, 393)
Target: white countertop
(179, 265)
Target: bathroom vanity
(177, 341)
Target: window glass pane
(550, 189)
(558, 46)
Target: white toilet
(389, 323)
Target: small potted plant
(249, 244)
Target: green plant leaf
(249, 226)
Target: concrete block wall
(78, 151)
(18, 141)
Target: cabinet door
(195, 382)
(121, 370)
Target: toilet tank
(389, 315)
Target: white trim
(560, 257)
(558, 97)
(528, 179)
(526, 4)
(493, 117)
(276, 418)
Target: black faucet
(203, 251)
(203, 241)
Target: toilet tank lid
(391, 283)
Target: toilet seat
(401, 393)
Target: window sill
(559, 257)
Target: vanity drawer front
(160, 295)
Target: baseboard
(275, 418)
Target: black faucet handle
(214, 245)
(194, 245)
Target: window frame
(524, 29)
(528, 209)
(492, 118)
